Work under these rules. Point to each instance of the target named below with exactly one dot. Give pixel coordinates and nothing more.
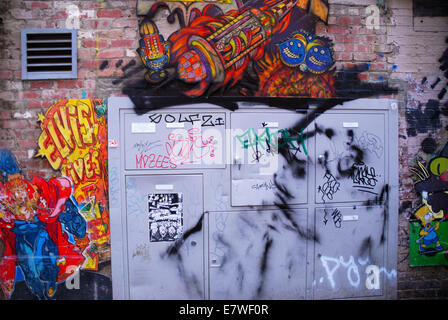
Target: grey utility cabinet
(257, 203)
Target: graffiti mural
(213, 50)
(32, 214)
(428, 230)
(74, 141)
(53, 231)
(253, 50)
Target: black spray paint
(427, 119)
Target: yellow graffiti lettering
(73, 140)
(88, 166)
(63, 149)
(74, 125)
(79, 167)
(64, 127)
(84, 113)
(48, 150)
(95, 161)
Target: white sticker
(143, 127)
(271, 125)
(164, 187)
(350, 124)
(175, 125)
(113, 143)
(350, 218)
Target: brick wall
(107, 42)
(417, 58)
(107, 31)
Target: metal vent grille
(49, 54)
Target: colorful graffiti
(40, 229)
(270, 40)
(52, 229)
(428, 231)
(74, 140)
(154, 51)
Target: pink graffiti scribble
(189, 146)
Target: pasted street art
(74, 141)
(428, 229)
(165, 216)
(55, 233)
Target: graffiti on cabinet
(428, 230)
(352, 272)
(357, 169)
(329, 187)
(272, 140)
(209, 62)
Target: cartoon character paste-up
(307, 52)
(433, 187)
(154, 51)
(428, 233)
(31, 229)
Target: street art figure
(307, 52)
(432, 185)
(154, 51)
(216, 50)
(32, 214)
(428, 232)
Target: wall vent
(49, 54)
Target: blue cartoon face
(318, 58)
(293, 51)
(307, 52)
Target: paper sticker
(271, 124)
(164, 187)
(143, 127)
(113, 143)
(350, 124)
(350, 218)
(175, 124)
(165, 216)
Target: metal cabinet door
(257, 254)
(161, 267)
(350, 240)
(351, 149)
(258, 168)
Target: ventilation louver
(49, 54)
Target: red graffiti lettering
(153, 161)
